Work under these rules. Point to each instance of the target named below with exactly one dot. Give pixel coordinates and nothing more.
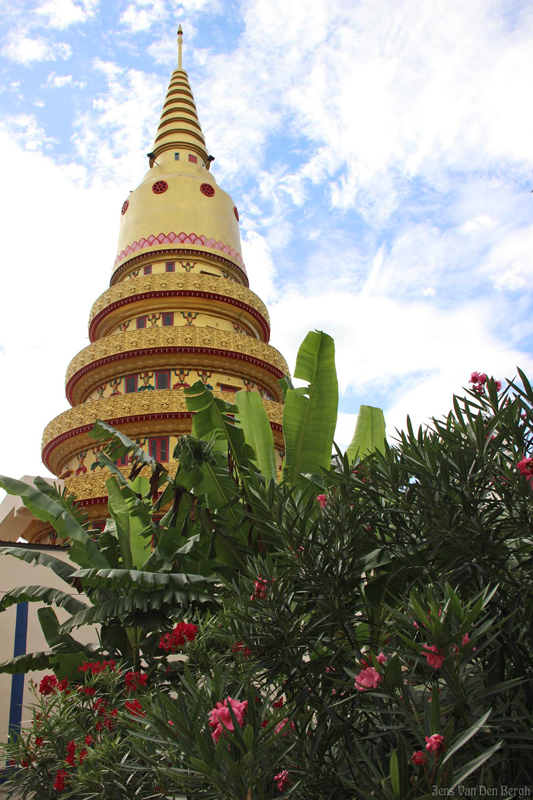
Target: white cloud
(62, 13)
(115, 134)
(142, 14)
(47, 299)
(58, 81)
(22, 49)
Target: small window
(168, 319)
(227, 388)
(170, 266)
(147, 270)
(159, 449)
(193, 159)
(141, 322)
(130, 384)
(176, 156)
(162, 380)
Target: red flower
(170, 642)
(435, 743)
(239, 647)
(95, 667)
(39, 741)
(59, 783)
(89, 739)
(282, 780)
(63, 686)
(220, 718)
(435, 657)
(87, 690)
(135, 681)
(48, 685)
(278, 703)
(71, 752)
(260, 589)
(82, 755)
(135, 708)
(419, 757)
(368, 678)
(322, 500)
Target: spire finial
(180, 43)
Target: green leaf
(369, 433)
(50, 628)
(469, 768)
(119, 512)
(310, 414)
(58, 567)
(27, 663)
(466, 736)
(395, 775)
(42, 594)
(83, 550)
(254, 421)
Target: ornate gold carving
(176, 337)
(166, 401)
(183, 282)
(86, 487)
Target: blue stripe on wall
(17, 681)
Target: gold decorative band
(154, 404)
(173, 281)
(186, 337)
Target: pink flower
(220, 718)
(368, 678)
(435, 743)
(419, 757)
(381, 658)
(282, 725)
(525, 467)
(322, 500)
(282, 780)
(435, 657)
(260, 589)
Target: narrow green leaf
(466, 736)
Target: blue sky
(379, 153)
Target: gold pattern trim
(85, 487)
(162, 401)
(183, 282)
(190, 337)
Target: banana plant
(127, 590)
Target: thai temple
(178, 310)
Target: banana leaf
(42, 594)
(310, 413)
(369, 433)
(83, 550)
(255, 424)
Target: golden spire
(180, 43)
